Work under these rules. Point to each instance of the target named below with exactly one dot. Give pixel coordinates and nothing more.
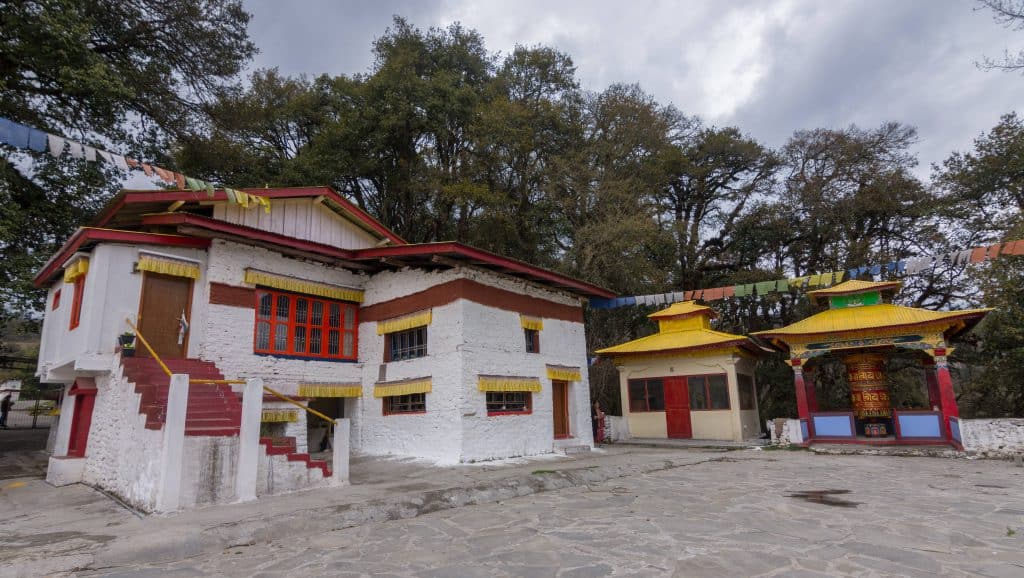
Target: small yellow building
(688, 380)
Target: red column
(812, 394)
(802, 408)
(933, 383)
(947, 399)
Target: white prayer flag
(56, 144)
(75, 149)
(90, 154)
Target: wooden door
(560, 408)
(677, 408)
(164, 300)
(81, 422)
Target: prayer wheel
(868, 392)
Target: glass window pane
(263, 335)
(266, 304)
(656, 394)
(719, 386)
(333, 342)
(745, 385)
(698, 396)
(350, 342)
(280, 337)
(301, 305)
(300, 338)
(317, 318)
(334, 318)
(315, 339)
(282, 307)
(637, 396)
(350, 318)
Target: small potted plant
(127, 341)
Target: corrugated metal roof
(868, 317)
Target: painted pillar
(932, 382)
(802, 408)
(249, 440)
(812, 394)
(342, 437)
(169, 492)
(947, 399)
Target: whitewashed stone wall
(122, 456)
(785, 431)
(993, 437)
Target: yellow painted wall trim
(265, 279)
(330, 390)
(407, 387)
(562, 373)
(405, 322)
(534, 323)
(76, 269)
(508, 383)
(164, 266)
(279, 416)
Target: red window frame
(56, 300)
(532, 337)
(527, 410)
(707, 391)
(76, 303)
(293, 324)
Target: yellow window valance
(562, 373)
(301, 286)
(404, 322)
(330, 390)
(75, 270)
(534, 323)
(508, 383)
(406, 387)
(279, 415)
(167, 266)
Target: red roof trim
(248, 232)
(452, 247)
(86, 234)
(128, 197)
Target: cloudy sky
(768, 67)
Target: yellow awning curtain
(406, 387)
(404, 322)
(534, 323)
(300, 286)
(508, 383)
(562, 373)
(166, 266)
(279, 415)
(330, 390)
(75, 270)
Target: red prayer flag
(148, 169)
(978, 255)
(132, 162)
(165, 175)
(729, 291)
(993, 250)
(179, 179)
(1014, 248)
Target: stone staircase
(285, 446)
(213, 409)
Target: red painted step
(285, 446)
(213, 408)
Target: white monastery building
(438, 351)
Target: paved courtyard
(747, 513)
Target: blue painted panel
(954, 425)
(832, 426)
(920, 426)
(803, 430)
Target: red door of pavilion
(677, 408)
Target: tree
(1009, 13)
(123, 76)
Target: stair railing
(277, 394)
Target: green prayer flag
(231, 195)
(782, 285)
(765, 287)
(740, 290)
(192, 184)
(209, 190)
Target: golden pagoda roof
(853, 287)
(683, 327)
(683, 308)
(881, 316)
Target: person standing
(597, 422)
(5, 408)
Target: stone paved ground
(732, 517)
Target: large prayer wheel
(868, 392)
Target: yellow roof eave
(870, 317)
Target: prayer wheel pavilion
(861, 328)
